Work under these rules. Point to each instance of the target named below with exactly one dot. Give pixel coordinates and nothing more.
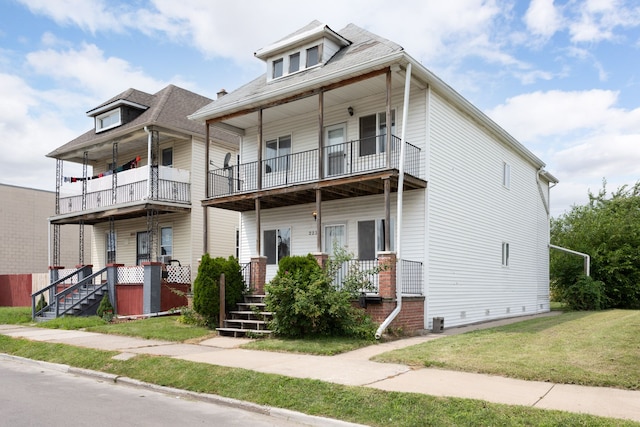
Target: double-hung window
(278, 68)
(373, 133)
(294, 62)
(313, 56)
(277, 154)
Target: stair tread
(258, 331)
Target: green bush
(206, 287)
(585, 294)
(105, 309)
(306, 303)
(42, 303)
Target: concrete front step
(236, 333)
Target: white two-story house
(142, 183)
(464, 211)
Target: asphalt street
(36, 395)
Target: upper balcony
(343, 170)
(126, 194)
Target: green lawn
(587, 348)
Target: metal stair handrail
(85, 281)
(55, 298)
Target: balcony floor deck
(332, 189)
(118, 212)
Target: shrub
(306, 303)
(206, 287)
(42, 303)
(105, 309)
(585, 294)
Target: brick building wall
(24, 231)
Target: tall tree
(607, 229)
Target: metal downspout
(405, 114)
(146, 129)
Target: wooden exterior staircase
(249, 319)
(77, 294)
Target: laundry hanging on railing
(131, 164)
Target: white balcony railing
(132, 186)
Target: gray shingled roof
(365, 47)
(168, 108)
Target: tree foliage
(206, 287)
(608, 230)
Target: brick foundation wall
(410, 318)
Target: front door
(335, 150)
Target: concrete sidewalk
(354, 368)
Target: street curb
(285, 414)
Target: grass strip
(586, 348)
(355, 404)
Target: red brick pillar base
(322, 258)
(387, 277)
(258, 274)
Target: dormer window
(313, 56)
(294, 62)
(108, 120)
(306, 49)
(278, 68)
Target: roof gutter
(405, 114)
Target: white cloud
(598, 20)
(543, 18)
(88, 69)
(530, 117)
(92, 16)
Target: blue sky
(562, 77)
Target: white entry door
(335, 162)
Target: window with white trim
(108, 120)
(313, 56)
(166, 241)
(276, 244)
(167, 157)
(294, 62)
(506, 175)
(278, 68)
(277, 154)
(371, 236)
(505, 254)
(373, 133)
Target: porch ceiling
(332, 189)
(120, 212)
(343, 95)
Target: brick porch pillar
(258, 274)
(322, 258)
(387, 277)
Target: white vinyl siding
(470, 217)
